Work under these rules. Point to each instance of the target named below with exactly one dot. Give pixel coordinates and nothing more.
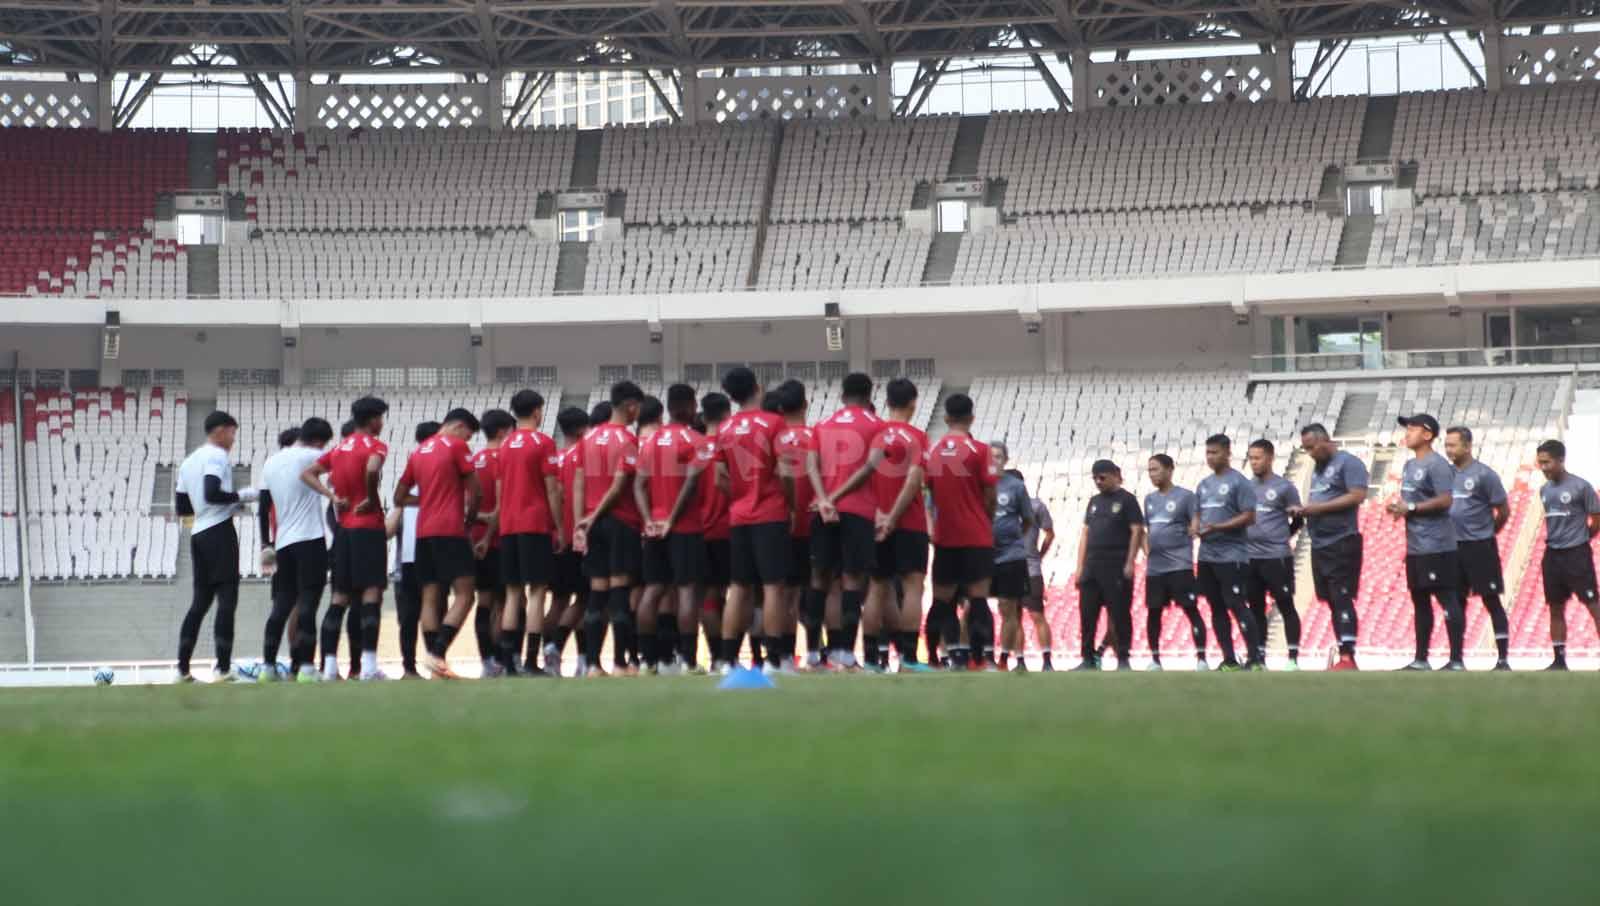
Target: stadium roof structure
(332, 36)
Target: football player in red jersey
(608, 528)
(794, 447)
(441, 471)
(760, 513)
(530, 530)
(715, 409)
(901, 525)
(362, 554)
(568, 589)
(671, 466)
(962, 477)
(842, 544)
(484, 534)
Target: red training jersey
(745, 446)
(794, 442)
(346, 463)
(665, 461)
(903, 446)
(842, 441)
(959, 469)
(713, 503)
(439, 469)
(527, 458)
(486, 463)
(567, 469)
(607, 451)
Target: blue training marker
(746, 678)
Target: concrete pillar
(858, 343)
(1078, 66)
(304, 110)
(105, 107)
(1054, 327)
(689, 80)
(883, 91)
(1493, 58)
(1283, 71)
(672, 336)
(495, 115)
(291, 370)
(482, 354)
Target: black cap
(1421, 421)
(1104, 467)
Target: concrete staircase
(161, 491)
(572, 267)
(968, 147)
(205, 277)
(1377, 128)
(1355, 416)
(202, 160)
(768, 188)
(1355, 240)
(941, 264)
(586, 159)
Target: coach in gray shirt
(1571, 520)
(1271, 570)
(1169, 513)
(1338, 487)
(1479, 509)
(1227, 507)
(1431, 563)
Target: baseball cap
(1422, 421)
(1104, 467)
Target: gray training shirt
(1010, 504)
(1422, 480)
(1269, 536)
(1567, 506)
(1041, 523)
(1167, 515)
(1477, 490)
(1341, 474)
(1222, 497)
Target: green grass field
(945, 789)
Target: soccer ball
(103, 676)
(247, 671)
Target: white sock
(369, 662)
(308, 669)
(330, 664)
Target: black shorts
(678, 559)
(846, 547)
(1033, 601)
(615, 549)
(527, 558)
(759, 554)
(361, 561)
(903, 553)
(1336, 570)
(1103, 584)
(488, 573)
(334, 552)
(962, 566)
(1478, 568)
(215, 554)
(1166, 589)
(1010, 580)
(719, 562)
(1568, 573)
(1221, 583)
(1270, 576)
(1432, 572)
(567, 579)
(799, 562)
(301, 565)
(443, 560)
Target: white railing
(1413, 359)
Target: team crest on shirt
(1172, 506)
(1271, 496)
(1416, 476)
(1433, 577)
(1003, 499)
(1094, 508)
(1566, 497)
(1116, 508)
(1470, 483)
